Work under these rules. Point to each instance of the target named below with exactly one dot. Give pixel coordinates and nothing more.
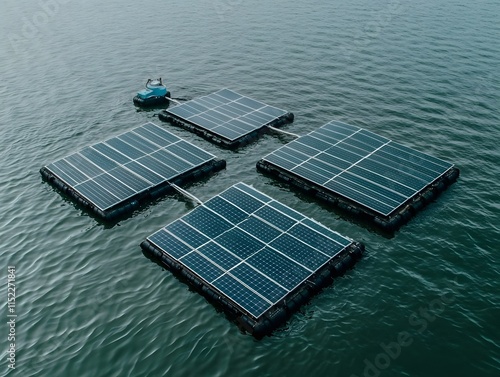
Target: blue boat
(155, 94)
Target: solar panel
(118, 169)
(226, 114)
(249, 248)
(366, 168)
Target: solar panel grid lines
(292, 214)
(125, 166)
(112, 171)
(177, 246)
(284, 210)
(362, 158)
(222, 242)
(226, 114)
(241, 280)
(205, 242)
(208, 262)
(368, 169)
(309, 155)
(373, 191)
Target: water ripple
(425, 74)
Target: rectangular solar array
(112, 171)
(227, 114)
(364, 167)
(249, 247)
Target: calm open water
(423, 72)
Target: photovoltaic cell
(144, 172)
(67, 172)
(227, 210)
(314, 142)
(111, 184)
(253, 303)
(285, 271)
(299, 251)
(125, 148)
(240, 243)
(273, 216)
(228, 132)
(136, 183)
(310, 175)
(187, 233)
(207, 222)
(241, 200)
(181, 152)
(159, 168)
(371, 170)
(201, 266)
(326, 232)
(226, 114)
(98, 159)
(258, 282)
(219, 255)
(81, 163)
(251, 249)
(161, 133)
(167, 241)
(295, 155)
(316, 240)
(152, 137)
(138, 142)
(260, 229)
(111, 153)
(110, 172)
(287, 211)
(280, 161)
(176, 163)
(100, 196)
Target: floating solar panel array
(115, 176)
(376, 175)
(253, 253)
(226, 117)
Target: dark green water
(425, 73)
